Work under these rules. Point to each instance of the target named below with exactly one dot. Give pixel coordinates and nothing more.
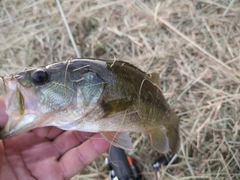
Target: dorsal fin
(155, 78)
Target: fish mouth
(3, 92)
(21, 103)
(17, 101)
(3, 88)
(4, 133)
(13, 128)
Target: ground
(194, 46)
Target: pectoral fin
(119, 139)
(115, 106)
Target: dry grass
(194, 45)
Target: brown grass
(194, 45)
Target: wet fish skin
(110, 97)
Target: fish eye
(39, 77)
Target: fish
(109, 97)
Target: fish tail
(166, 137)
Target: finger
(77, 158)
(6, 169)
(1, 154)
(48, 132)
(3, 115)
(69, 140)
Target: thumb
(1, 156)
(3, 115)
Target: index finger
(78, 158)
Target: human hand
(47, 153)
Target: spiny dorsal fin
(155, 78)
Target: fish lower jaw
(5, 131)
(17, 126)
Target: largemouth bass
(110, 97)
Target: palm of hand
(60, 155)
